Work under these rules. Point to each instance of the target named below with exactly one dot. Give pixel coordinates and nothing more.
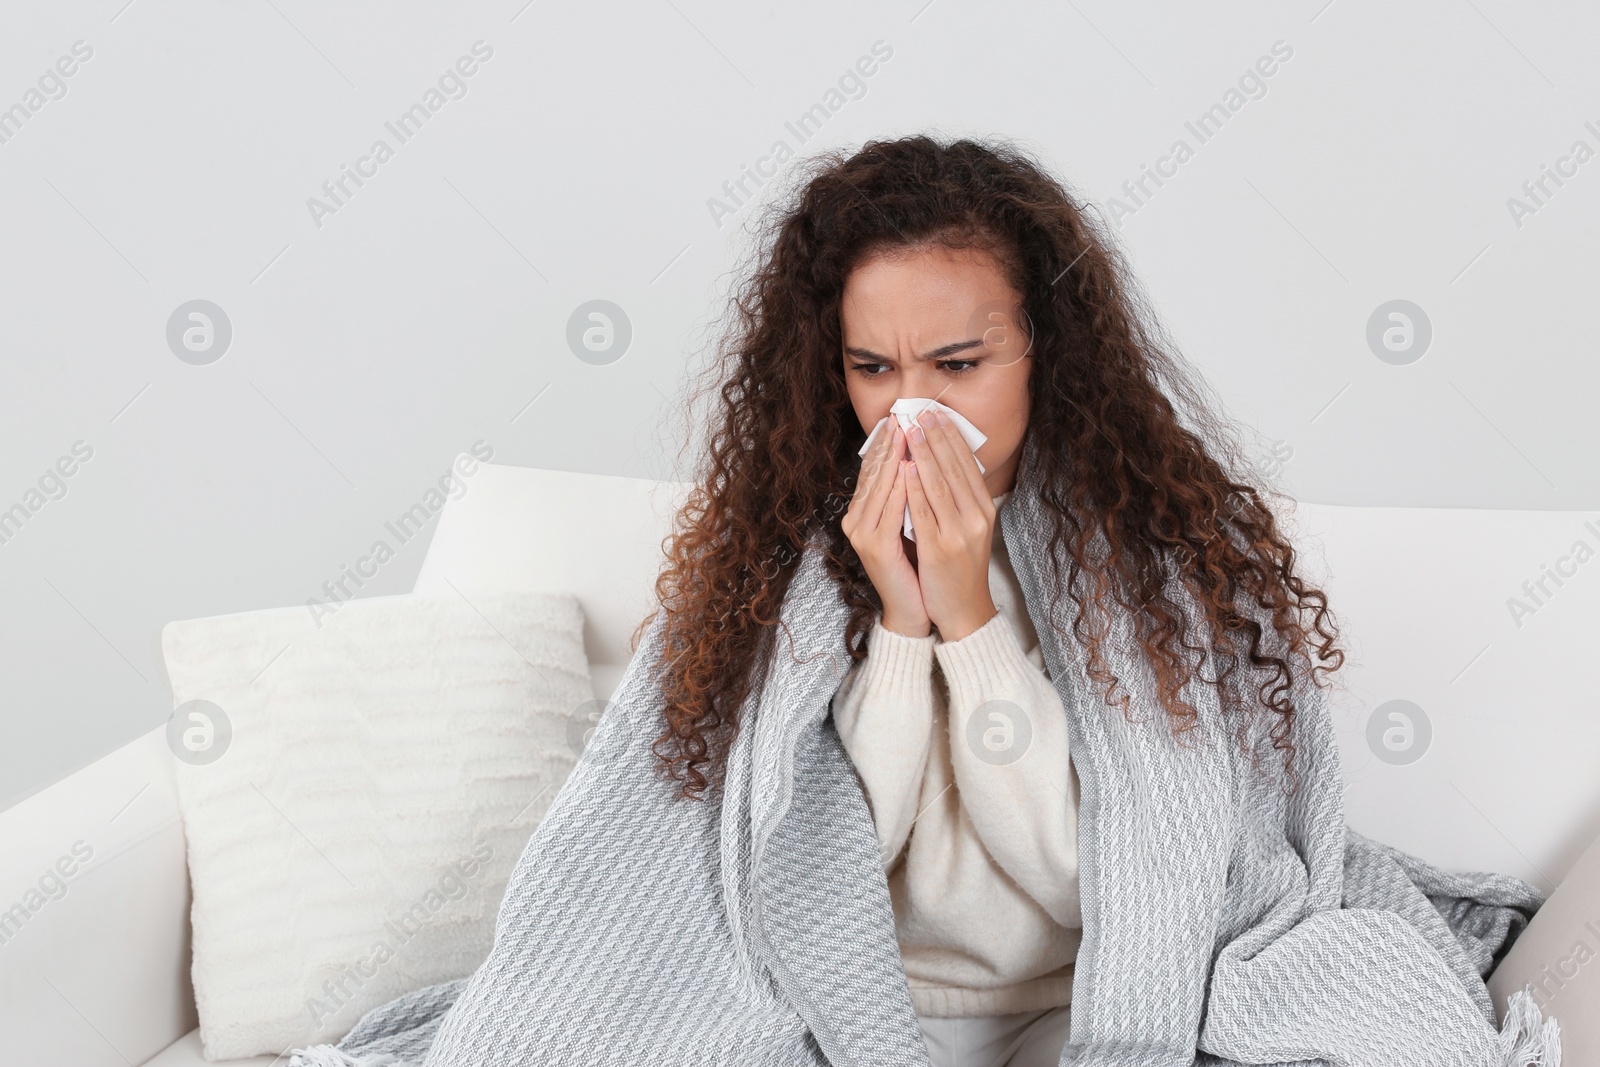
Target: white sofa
(1508, 783)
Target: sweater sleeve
(1008, 748)
(884, 713)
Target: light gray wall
(1380, 161)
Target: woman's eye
(954, 366)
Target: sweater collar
(999, 544)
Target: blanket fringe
(329, 1056)
(1525, 1040)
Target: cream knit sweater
(985, 891)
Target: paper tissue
(905, 411)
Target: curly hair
(781, 456)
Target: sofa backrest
(597, 536)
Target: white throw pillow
(351, 840)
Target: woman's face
(942, 324)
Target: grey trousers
(1026, 1039)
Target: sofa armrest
(94, 915)
(1558, 954)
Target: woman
(864, 798)
(967, 276)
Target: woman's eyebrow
(938, 353)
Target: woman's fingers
(967, 461)
(871, 464)
(894, 509)
(923, 520)
(880, 506)
(957, 463)
(935, 486)
(875, 487)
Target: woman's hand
(954, 516)
(873, 524)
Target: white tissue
(906, 410)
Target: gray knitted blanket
(1223, 922)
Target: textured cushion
(385, 768)
(1559, 955)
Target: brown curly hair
(781, 456)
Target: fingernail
(917, 434)
(940, 416)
